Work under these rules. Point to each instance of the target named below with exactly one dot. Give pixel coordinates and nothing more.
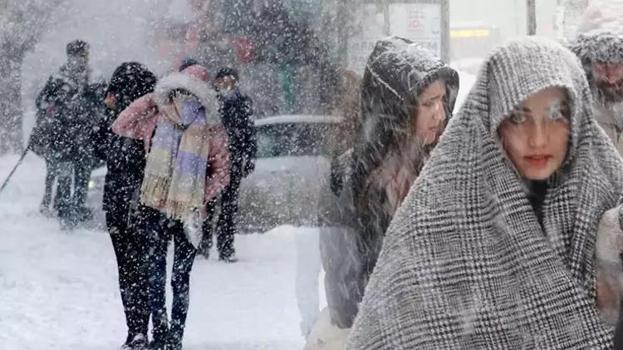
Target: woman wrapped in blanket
(505, 240)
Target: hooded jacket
(125, 157)
(353, 211)
(465, 263)
(600, 40)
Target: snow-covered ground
(58, 290)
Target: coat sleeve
(138, 120)
(250, 133)
(49, 95)
(218, 163)
(342, 258)
(101, 136)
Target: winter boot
(160, 336)
(138, 342)
(82, 214)
(204, 252)
(45, 210)
(67, 224)
(157, 345)
(174, 340)
(231, 258)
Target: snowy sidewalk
(58, 290)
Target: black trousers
(226, 223)
(82, 173)
(71, 201)
(52, 171)
(160, 230)
(130, 245)
(64, 197)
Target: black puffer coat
(237, 112)
(352, 215)
(125, 157)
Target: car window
(293, 139)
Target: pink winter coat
(138, 121)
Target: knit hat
(226, 71)
(187, 62)
(198, 72)
(77, 48)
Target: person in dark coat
(125, 162)
(65, 100)
(237, 113)
(42, 143)
(407, 96)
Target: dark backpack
(42, 135)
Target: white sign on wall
(418, 22)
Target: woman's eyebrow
(436, 97)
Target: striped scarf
(465, 263)
(175, 172)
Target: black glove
(248, 168)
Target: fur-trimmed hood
(195, 85)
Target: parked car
(95, 196)
(292, 161)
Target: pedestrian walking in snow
(66, 114)
(187, 166)
(125, 163)
(346, 105)
(406, 97)
(598, 45)
(498, 244)
(237, 114)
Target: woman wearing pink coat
(187, 166)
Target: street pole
(342, 33)
(531, 16)
(445, 31)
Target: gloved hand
(248, 168)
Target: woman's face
(430, 114)
(110, 100)
(536, 135)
